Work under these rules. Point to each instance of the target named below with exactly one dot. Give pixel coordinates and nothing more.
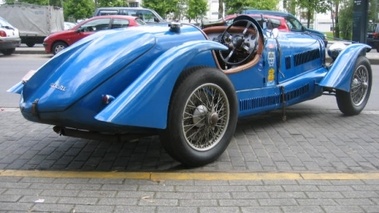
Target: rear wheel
(202, 117)
(354, 101)
(30, 44)
(59, 46)
(8, 51)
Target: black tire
(8, 51)
(202, 117)
(58, 46)
(30, 44)
(353, 102)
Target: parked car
(373, 35)
(9, 37)
(188, 85)
(147, 15)
(56, 42)
(292, 22)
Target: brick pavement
(310, 141)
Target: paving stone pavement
(310, 141)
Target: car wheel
(353, 102)
(30, 44)
(202, 117)
(8, 51)
(58, 46)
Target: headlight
(335, 49)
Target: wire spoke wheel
(202, 118)
(355, 100)
(205, 117)
(359, 85)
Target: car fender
(145, 102)
(340, 73)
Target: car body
(147, 15)
(188, 85)
(9, 37)
(373, 35)
(60, 40)
(292, 22)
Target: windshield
(294, 24)
(5, 24)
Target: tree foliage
(312, 6)
(196, 9)
(162, 7)
(235, 6)
(111, 3)
(78, 9)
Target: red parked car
(60, 40)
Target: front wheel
(202, 117)
(353, 102)
(8, 51)
(59, 46)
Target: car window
(377, 28)
(5, 24)
(140, 22)
(371, 27)
(119, 23)
(146, 16)
(96, 25)
(273, 23)
(294, 24)
(108, 12)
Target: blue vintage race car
(188, 85)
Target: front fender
(340, 74)
(145, 102)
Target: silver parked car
(9, 37)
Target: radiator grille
(305, 57)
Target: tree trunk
(337, 28)
(220, 9)
(308, 18)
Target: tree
(112, 3)
(162, 7)
(335, 19)
(345, 22)
(39, 2)
(312, 6)
(78, 9)
(220, 8)
(196, 9)
(235, 6)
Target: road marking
(221, 176)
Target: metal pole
(360, 20)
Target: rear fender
(17, 88)
(340, 74)
(145, 102)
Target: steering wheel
(241, 37)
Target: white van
(147, 15)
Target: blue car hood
(78, 70)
